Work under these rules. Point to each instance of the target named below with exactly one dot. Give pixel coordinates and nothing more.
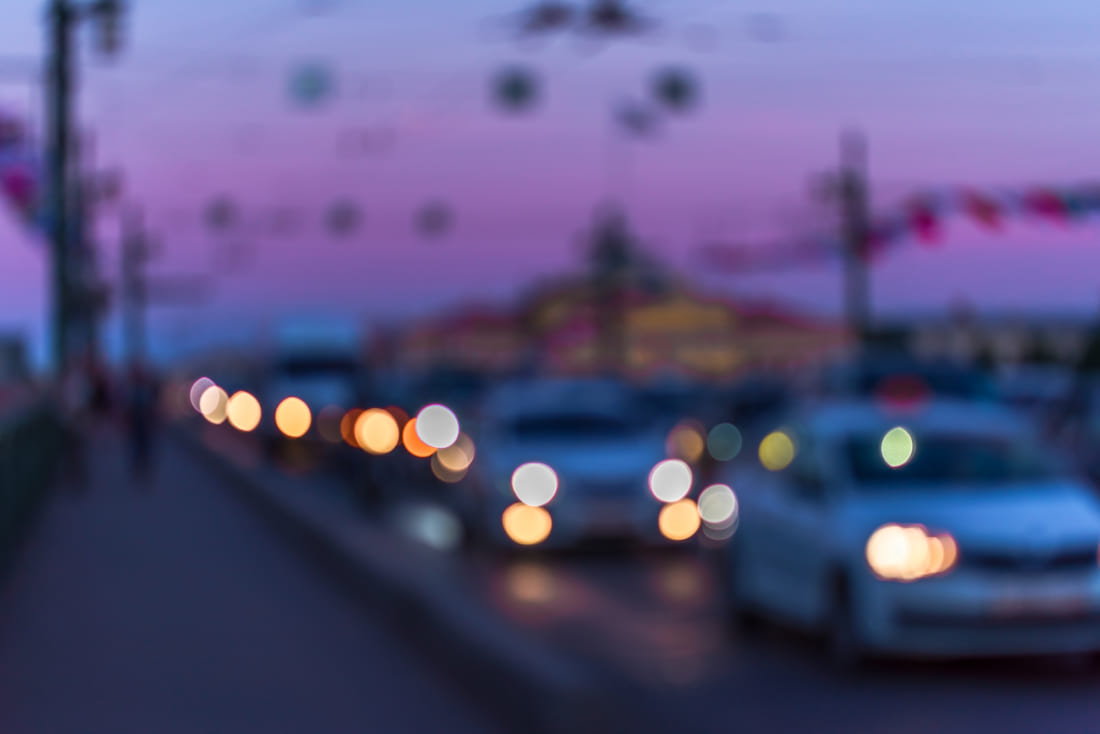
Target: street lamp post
(63, 16)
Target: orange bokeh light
(412, 442)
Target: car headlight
(534, 483)
(909, 552)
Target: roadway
(168, 607)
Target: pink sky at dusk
(998, 93)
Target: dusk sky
(983, 92)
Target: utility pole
(135, 255)
(855, 218)
(612, 245)
(62, 18)
(59, 95)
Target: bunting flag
(21, 171)
(921, 218)
(1046, 204)
(924, 222)
(981, 208)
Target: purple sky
(1001, 92)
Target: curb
(532, 688)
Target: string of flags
(21, 172)
(921, 219)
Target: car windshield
(947, 460)
(572, 426)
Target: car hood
(579, 462)
(1051, 514)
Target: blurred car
(948, 531)
(897, 374)
(318, 363)
(1042, 392)
(593, 440)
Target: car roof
(839, 418)
(555, 396)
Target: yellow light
(679, 520)
(776, 451)
(376, 432)
(670, 480)
(526, 525)
(459, 455)
(897, 447)
(686, 442)
(534, 483)
(437, 426)
(293, 418)
(900, 553)
(212, 404)
(243, 411)
(412, 442)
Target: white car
(581, 450)
(944, 531)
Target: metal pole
(59, 91)
(856, 229)
(134, 253)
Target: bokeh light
(310, 84)
(897, 447)
(515, 89)
(412, 442)
(526, 525)
(459, 455)
(444, 474)
(292, 417)
(676, 89)
(534, 483)
(198, 387)
(776, 451)
(679, 520)
(347, 426)
(670, 480)
(376, 432)
(398, 414)
(724, 442)
(432, 525)
(328, 423)
(685, 441)
(434, 219)
(243, 411)
(213, 403)
(530, 583)
(437, 426)
(900, 553)
(718, 505)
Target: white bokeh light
(200, 386)
(437, 426)
(670, 480)
(718, 505)
(534, 484)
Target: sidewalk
(175, 610)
